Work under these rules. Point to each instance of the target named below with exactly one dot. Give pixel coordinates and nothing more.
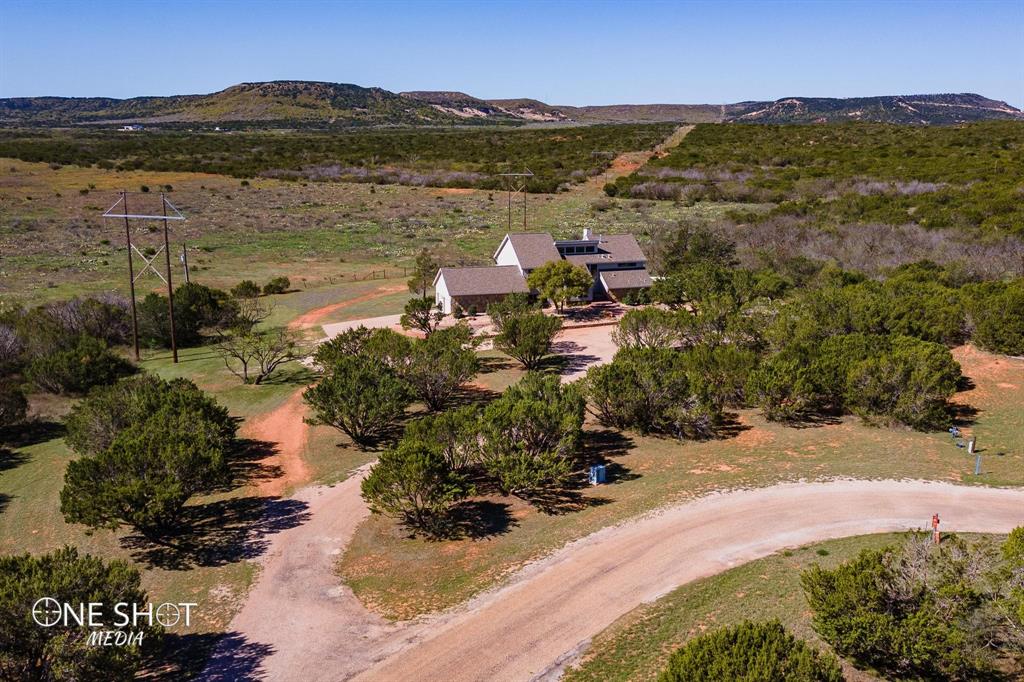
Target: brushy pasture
(435, 157)
(967, 176)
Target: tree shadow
(301, 375)
(491, 364)
(197, 357)
(11, 459)
(471, 394)
(729, 427)
(216, 657)
(600, 446)
(962, 414)
(219, 533)
(590, 313)
(574, 357)
(31, 432)
(813, 420)
(246, 465)
(566, 499)
(380, 441)
(4, 501)
(476, 520)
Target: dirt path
(284, 427)
(628, 162)
(315, 316)
(315, 627)
(547, 612)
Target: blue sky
(562, 53)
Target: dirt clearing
(285, 428)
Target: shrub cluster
(523, 443)
(750, 651)
(803, 346)
(196, 308)
(656, 389)
(372, 376)
(62, 348)
(147, 446)
(63, 652)
(881, 378)
(921, 611)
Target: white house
(616, 262)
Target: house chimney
(586, 233)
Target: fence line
(383, 273)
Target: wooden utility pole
(184, 262)
(131, 274)
(170, 287)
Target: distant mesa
(320, 104)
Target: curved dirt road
(548, 611)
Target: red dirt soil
(315, 316)
(285, 428)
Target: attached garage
(619, 283)
(476, 287)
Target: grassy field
(638, 645)
(55, 245)
(402, 577)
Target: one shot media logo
(120, 624)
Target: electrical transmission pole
(516, 183)
(134, 251)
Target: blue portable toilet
(597, 474)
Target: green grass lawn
(637, 646)
(402, 577)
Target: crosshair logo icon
(168, 615)
(47, 612)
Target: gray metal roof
(492, 279)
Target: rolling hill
(319, 104)
(910, 109)
(284, 102)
